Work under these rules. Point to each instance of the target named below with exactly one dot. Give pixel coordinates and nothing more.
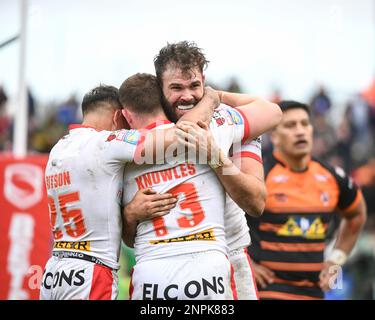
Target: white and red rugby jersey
(197, 222)
(84, 180)
(236, 229)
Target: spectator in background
(47, 134)
(67, 111)
(341, 156)
(364, 176)
(369, 96)
(358, 114)
(234, 86)
(320, 102)
(3, 97)
(324, 138)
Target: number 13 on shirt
(190, 202)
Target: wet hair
(141, 93)
(100, 97)
(286, 105)
(185, 55)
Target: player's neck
(98, 123)
(144, 121)
(297, 164)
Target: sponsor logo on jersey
(280, 178)
(131, 136)
(218, 117)
(79, 245)
(320, 177)
(235, 115)
(70, 278)
(281, 197)
(121, 135)
(111, 137)
(190, 290)
(206, 235)
(303, 227)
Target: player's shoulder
(270, 162)
(225, 115)
(337, 172)
(253, 142)
(59, 144)
(131, 136)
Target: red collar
(156, 124)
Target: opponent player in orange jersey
(289, 239)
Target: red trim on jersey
(246, 135)
(139, 147)
(156, 124)
(102, 281)
(248, 154)
(252, 271)
(131, 287)
(233, 283)
(143, 132)
(80, 126)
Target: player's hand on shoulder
(198, 139)
(148, 204)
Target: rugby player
(184, 255)
(84, 180)
(180, 68)
(303, 193)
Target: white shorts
(195, 276)
(74, 279)
(245, 284)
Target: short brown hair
(184, 55)
(141, 93)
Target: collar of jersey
(281, 160)
(156, 124)
(80, 126)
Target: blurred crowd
(348, 142)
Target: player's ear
(119, 121)
(127, 116)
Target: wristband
(338, 257)
(217, 162)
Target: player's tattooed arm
(147, 204)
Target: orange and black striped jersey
(289, 238)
